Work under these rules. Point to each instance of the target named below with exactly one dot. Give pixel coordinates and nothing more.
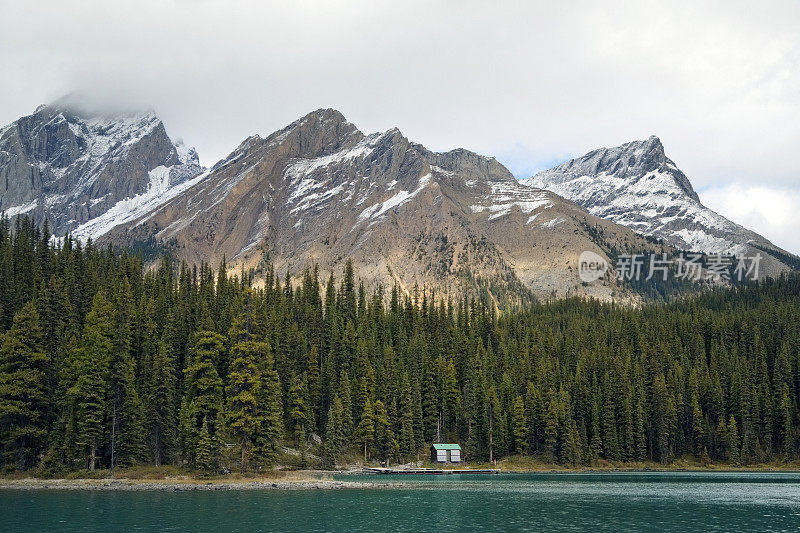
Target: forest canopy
(105, 363)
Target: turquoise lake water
(674, 501)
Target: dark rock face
(71, 166)
(638, 186)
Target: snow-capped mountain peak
(637, 185)
(70, 166)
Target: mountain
(320, 191)
(638, 186)
(70, 166)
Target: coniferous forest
(105, 363)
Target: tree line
(105, 363)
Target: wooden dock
(430, 471)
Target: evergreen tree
(661, 419)
(244, 384)
(520, 426)
(90, 361)
(596, 446)
(733, 442)
(334, 434)
(788, 430)
(610, 439)
(571, 445)
(127, 417)
(203, 388)
(365, 432)
(160, 405)
(551, 428)
(24, 391)
(298, 411)
(347, 404)
(384, 439)
(205, 455)
(639, 436)
(270, 406)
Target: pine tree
(90, 361)
(406, 441)
(698, 430)
(334, 435)
(596, 446)
(494, 418)
(610, 438)
(160, 405)
(365, 432)
(788, 431)
(188, 432)
(298, 411)
(205, 455)
(347, 404)
(639, 431)
(203, 387)
(520, 426)
(313, 380)
(430, 406)
(450, 396)
(244, 384)
(571, 446)
(127, 417)
(24, 391)
(551, 426)
(383, 436)
(661, 421)
(733, 442)
(722, 439)
(270, 406)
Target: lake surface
(673, 501)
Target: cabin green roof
(446, 447)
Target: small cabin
(445, 453)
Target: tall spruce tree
(24, 391)
(203, 388)
(270, 406)
(244, 386)
(91, 361)
(365, 431)
(160, 405)
(520, 426)
(127, 418)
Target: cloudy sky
(531, 83)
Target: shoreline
(182, 485)
(307, 480)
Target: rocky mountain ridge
(638, 186)
(320, 191)
(70, 166)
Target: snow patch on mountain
(158, 193)
(301, 168)
(20, 209)
(105, 138)
(376, 211)
(507, 195)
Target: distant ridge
(638, 186)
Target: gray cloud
(531, 83)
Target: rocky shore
(178, 485)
